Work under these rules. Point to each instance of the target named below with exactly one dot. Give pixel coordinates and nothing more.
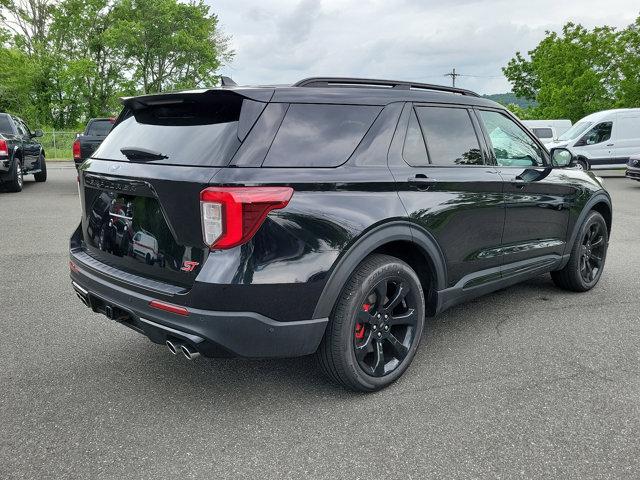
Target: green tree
(628, 94)
(90, 68)
(168, 44)
(64, 61)
(569, 74)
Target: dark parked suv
(326, 218)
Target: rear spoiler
(258, 94)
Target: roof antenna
(227, 81)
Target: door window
(598, 134)
(450, 136)
(512, 145)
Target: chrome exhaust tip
(189, 353)
(173, 347)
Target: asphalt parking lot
(527, 382)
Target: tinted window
(598, 134)
(5, 125)
(189, 132)
(99, 128)
(543, 132)
(450, 136)
(512, 145)
(319, 135)
(414, 151)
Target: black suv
(328, 217)
(20, 153)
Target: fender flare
(599, 197)
(376, 237)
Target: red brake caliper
(359, 333)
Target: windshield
(575, 131)
(5, 125)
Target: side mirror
(38, 133)
(561, 157)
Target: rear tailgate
(141, 189)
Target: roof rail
(376, 83)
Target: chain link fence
(58, 145)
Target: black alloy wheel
(586, 263)
(375, 328)
(592, 252)
(385, 327)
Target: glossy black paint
(464, 228)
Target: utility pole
(453, 76)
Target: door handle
(421, 181)
(610, 144)
(421, 178)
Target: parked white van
(145, 246)
(604, 139)
(547, 130)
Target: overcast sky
(281, 41)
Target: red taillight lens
(232, 215)
(76, 149)
(4, 150)
(168, 307)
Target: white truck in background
(547, 130)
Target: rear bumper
(212, 333)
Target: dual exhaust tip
(188, 351)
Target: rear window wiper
(141, 154)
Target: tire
(588, 255)
(582, 164)
(362, 349)
(16, 177)
(42, 175)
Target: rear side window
(450, 136)
(543, 132)
(319, 135)
(199, 130)
(99, 128)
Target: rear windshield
(5, 125)
(177, 131)
(99, 127)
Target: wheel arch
(601, 203)
(604, 209)
(400, 239)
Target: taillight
(4, 149)
(76, 149)
(232, 215)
